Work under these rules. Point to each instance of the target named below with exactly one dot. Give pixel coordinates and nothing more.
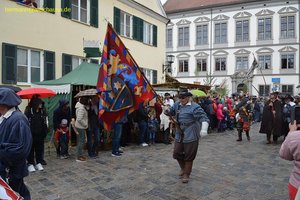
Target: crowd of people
(181, 118)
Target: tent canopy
(84, 74)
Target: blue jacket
(190, 118)
(15, 145)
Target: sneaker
(144, 144)
(120, 151)
(117, 154)
(39, 167)
(81, 159)
(31, 168)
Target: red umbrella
(41, 92)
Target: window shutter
(154, 77)
(117, 18)
(49, 6)
(66, 63)
(66, 4)
(154, 35)
(9, 63)
(49, 65)
(94, 13)
(141, 30)
(135, 31)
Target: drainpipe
(210, 45)
(298, 40)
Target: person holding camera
(290, 150)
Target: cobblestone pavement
(223, 169)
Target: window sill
(183, 74)
(201, 46)
(183, 48)
(287, 40)
(79, 22)
(287, 71)
(220, 45)
(263, 42)
(220, 72)
(245, 43)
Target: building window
(264, 61)
(287, 61)
(183, 36)
(151, 75)
(201, 65)
(264, 90)
(220, 64)
(242, 31)
(201, 34)
(242, 63)
(289, 89)
(148, 33)
(287, 27)
(169, 38)
(28, 66)
(183, 65)
(220, 33)
(265, 29)
(125, 24)
(80, 10)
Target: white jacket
(81, 116)
(164, 119)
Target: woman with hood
(220, 116)
(38, 124)
(15, 142)
(81, 124)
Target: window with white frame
(242, 30)
(183, 66)
(126, 24)
(201, 65)
(264, 28)
(289, 89)
(220, 64)
(264, 90)
(80, 10)
(183, 36)
(264, 61)
(169, 38)
(76, 61)
(287, 61)
(201, 34)
(28, 65)
(287, 26)
(221, 33)
(148, 33)
(242, 63)
(148, 74)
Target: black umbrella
(14, 88)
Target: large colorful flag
(121, 82)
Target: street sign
(275, 80)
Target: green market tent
(83, 77)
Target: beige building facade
(45, 43)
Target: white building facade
(220, 43)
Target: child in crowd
(152, 126)
(62, 136)
(225, 119)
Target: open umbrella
(40, 92)
(88, 92)
(198, 93)
(14, 88)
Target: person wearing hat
(277, 116)
(287, 111)
(168, 100)
(15, 142)
(192, 122)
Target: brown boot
(181, 164)
(187, 171)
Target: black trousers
(37, 150)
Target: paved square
(223, 169)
